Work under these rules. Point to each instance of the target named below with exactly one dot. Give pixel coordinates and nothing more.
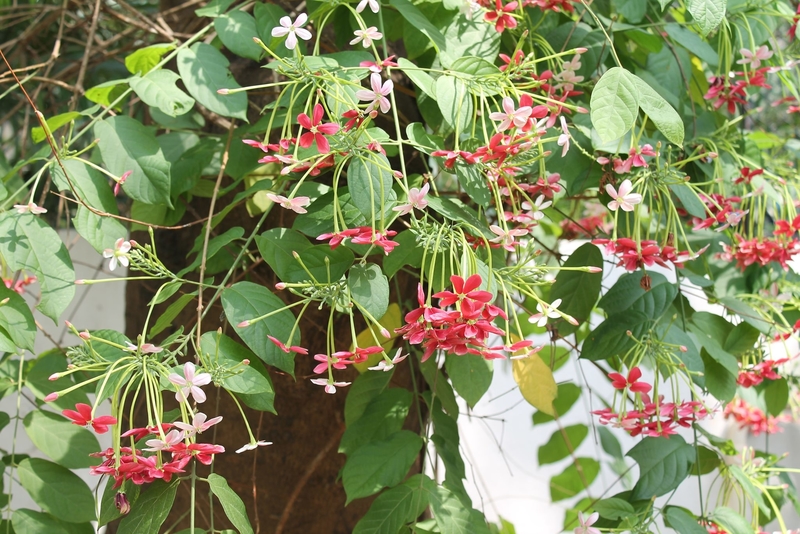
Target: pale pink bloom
(292, 30)
(563, 139)
(199, 424)
(732, 219)
(121, 181)
(754, 59)
(296, 204)
(172, 438)
(118, 254)
(507, 237)
(517, 117)
(146, 348)
(535, 211)
(416, 199)
(190, 383)
(252, 445)
(377, 96)
(30, 207)
(373, 5)
(383, 365)
(330, 387)
(573, 64)
(624, 198)
(365, 37)
(546, 311)
(585, 525)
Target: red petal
(318, 113)
(472, 283)
(304, 121)
(634, 374)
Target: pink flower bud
(713, 155)
(223, 91)
(581, 50)
(571, 320)
(385, 333)
(398, 175)
(280, 286)
(133, 243)
(582, 110)
(79, 282)
(85, 335)
(54, 377)
(683, 348)
(51, 397)
(628, 333)
(245, 362)
(373, 113)
(602, 160)
(593, 269)
(243, 324)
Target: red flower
(316, 130)
(463, 289)
(83, 417)
(287, 350)
(515, 61)
(500, 16)
(631, 382)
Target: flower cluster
(362, 235)
(463, 330)
(19, 285)
(752, 418)
(634, 160)
(729, 91)
(720, 210)
(755, 374)
(637, 255)
(760, 251)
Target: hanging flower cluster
(752, 418)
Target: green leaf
(107, 92)
(214, 8)
(67, 444)
(231, 502)
(746, 312)
(747, 485)
(164, 320)
(383, 417)
(100, 232)
(692, 42)
(663, 464)
(741, 339)
(471, 376)
(610, 443)
(57, 490)
(53, 123)
(776, 396)
(719, 381)
(108, 508)
(157, 89)
(16, 319)
(614, 508)
(474, 183)
(632, 10)
(421, 79)
(408, 252)
(467, 37)
(614, 104)
(570, 483)
(204, 70)
(447, 442)
(27, 521)
(683, 521)
(455, 102)
(369, 180)
(127, 145)
(578, 290)
(419, 21)
(567, 394)
(706, 462)
(707, 14)
(145, 59)
(360, 395)
(380, 464)
(236, 30)
(562, 443)
(659, 111)
(420, 138)
(627, 294)
(611, 337)
(369, 288)
(30, 244)
(89, 185)
(151, 509)
(453, 516)
(689, 200)
(440, 386)
(731, 521)
(474, 66)
(215, 245)
(396, 507)
(245, 301)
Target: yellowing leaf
(536, 383)
(391, 320)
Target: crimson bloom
(501, 16)
(83, 417)
(631, 382)
(317, 130)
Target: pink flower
(624, 198)
(585, 525)
(190, 383)
(754, 59)
(292, 30)
(330, 386)
(506, 237)
(377, 96)
(296, 204)
(30, 207)
(146, 348)
(517, 117)
(631, 382)
(563, 139)
(316, 130)
(365, 37)
(199, 424)
(416, 199)
(172, 438)
(82, 416)
(287, 350)
(121, 181)
(119, 254)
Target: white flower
(506, 238)
(378, 94)
(517, 117)
(754, 59)
(292, 30)
(563, 139)
(172, 438)
(383, 365)
(373, 5)
(365, 37)
(624, 198)
(252, 445)
(30, 207)
(119, 254)
(535, 211)
(585, 525)
(330, 387)
(199, 424)
(190, 383)
(545, 311)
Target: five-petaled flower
(624, 198)
(82, 416)
(118, 254)
(377, 96)
(754, 58)
(292, 30)
(199, 424)
(30, 207)
(631, 382)
(585, 524)
(546, 311)
(172, 438)
(296, 204)
(317, 130)
(190, 383)
(365, 37)
(329, 385)
(416, 199)
(517, 117)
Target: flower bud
(80, 282)
(385, 333)
(245, 362)
(223, 91)
(280, 286)
(593, 269)
(54, 377)
(683, 348)
(122, 503)
(243, 324)
(4, 301)
(646, 282)
(713, 155)
(51, 397)
(581, 50)
(581, 109)
(628, 333)
(373, 114)
(85, 335)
